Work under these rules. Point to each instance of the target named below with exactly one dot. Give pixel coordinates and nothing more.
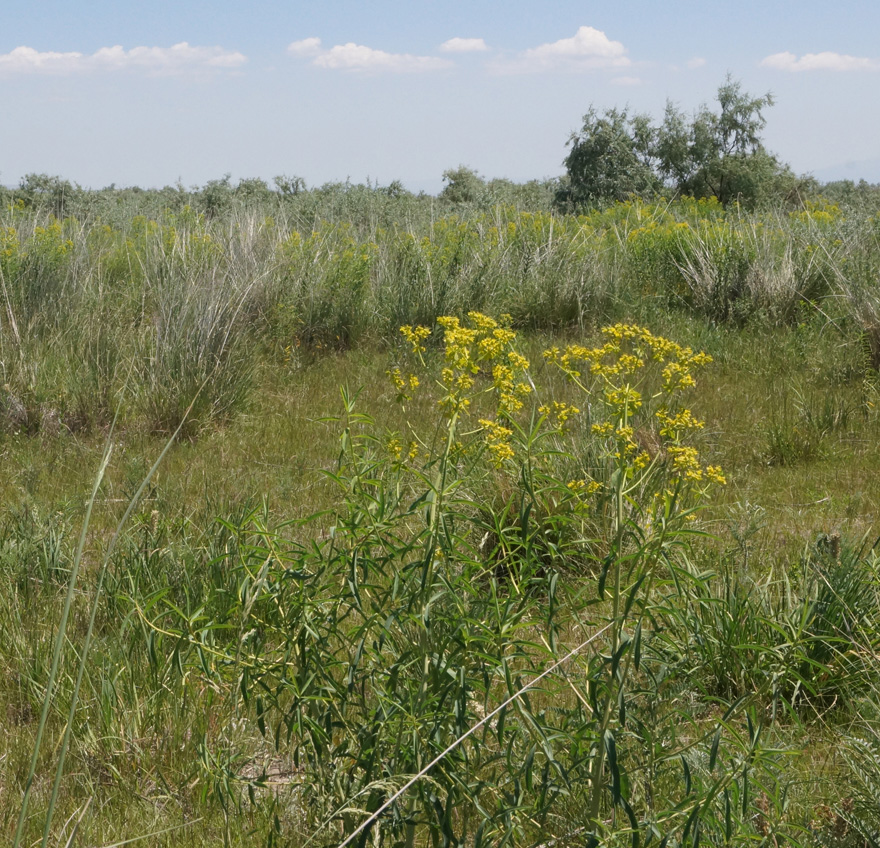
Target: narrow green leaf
(611, 751)
(728, 821)
(633, 823)
(603, 575)
(713, 751)
(632, 595)
(690, 822)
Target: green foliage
(609, 160)
(222, 288)
(463, 185)
(714, 154)
(798, 643)
(386, 648)
(289, 185)
(346, 628)
(213, 640)
(51, 193)
(721, 154)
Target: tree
(289, 186)
(253, 190)
(216, 195)
(718, 154)
(52, 193)
(721, 154)
(611, 158)
(463, 185)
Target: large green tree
(610, 158)
(716, 153)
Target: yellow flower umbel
(404, 385)
(480, 347)
(478, 360)
(416, 337)
(618, 372)
(498, 441)
(558, 412)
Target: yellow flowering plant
(633, 386)
(628, 510)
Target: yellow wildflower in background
(416, 337)
(559, 412)
(403, 384)
(498, 441)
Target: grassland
(299, 615)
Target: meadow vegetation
(351, 516)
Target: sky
(152, 93)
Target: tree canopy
(711, 153)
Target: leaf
(690, 822)
(633, 821)
(625, 643)
(527, 768)
(603, 575)
(637, 646)
(611, 751)
(261, 720)
(713, 751)
(632, 594)
(728, 821)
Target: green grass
(182, 697)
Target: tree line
(616, 155)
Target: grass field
(360, 542)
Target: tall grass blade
(59, 645)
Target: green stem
(616, 625)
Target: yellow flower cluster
(416, 337)
(403, 384)
(685, 462)
(584, 487)
(624, 353)
(471, 350)
(616, 367)
(8, 242)
(560, 412)
(510, 393)
(623, 400)
(498, 441)
(672, 426)
(394, 446)
(676, 376)
(634, 376)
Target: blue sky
(148, 93)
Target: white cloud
(464, 45)
(696, 62)
(156, 60)
(626, 81)
(588, 49)
(305, 47)
(357, 57)
(24, 59)
(826, 61)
